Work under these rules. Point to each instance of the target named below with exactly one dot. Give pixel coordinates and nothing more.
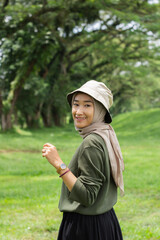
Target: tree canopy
(50, 47)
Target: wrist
(64, 172)
(61, 168)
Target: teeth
(80, 117)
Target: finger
(47, 145)
(44, 150)
(44, 155)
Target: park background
(47, 49)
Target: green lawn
(30, 187)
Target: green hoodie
(95, 191)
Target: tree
(49, 47)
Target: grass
(30, 187)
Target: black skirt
(76, 226)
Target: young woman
(89, 189)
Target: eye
(75, 104)
(87, 105)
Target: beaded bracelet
(64, 173)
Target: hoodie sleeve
(91, 177)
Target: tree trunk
(46, 115)
(6, 117)
(1, 105)
(56, 116)
(6, 122)
(33, 120)
(56, 119)
(30, 121)
(15, 118)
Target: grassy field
(30, 187)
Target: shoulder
(93, 140)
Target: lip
(80, 119)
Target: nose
(79, 110)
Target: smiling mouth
(79, 119)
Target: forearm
(69, 179)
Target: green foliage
(62, 44)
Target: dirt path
(13, 150)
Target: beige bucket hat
(99, 92)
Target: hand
(50, 152)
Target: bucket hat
(99, 92)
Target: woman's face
(82, 110)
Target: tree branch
(76, 60)
(5, 4)
(32, 18)
(98, 65)
(45, 2)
